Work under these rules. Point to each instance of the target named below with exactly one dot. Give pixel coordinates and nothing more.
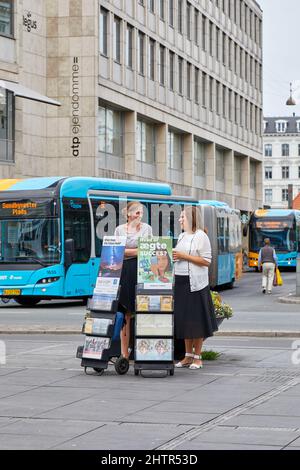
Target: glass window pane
(6, 17)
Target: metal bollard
(298, 278)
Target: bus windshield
(30, 241)
(282, 240)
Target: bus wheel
(27, 301)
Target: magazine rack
(102, 339)
(154, 330)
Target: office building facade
(165, 90)
(281, 160)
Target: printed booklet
(94, 347)
(154, 303)
(97, 326)
(155, 263)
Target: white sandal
(179, 364)
(194, 366)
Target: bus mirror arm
(69, 252)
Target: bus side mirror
(245, 230)
(69, 252)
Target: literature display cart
(103, 322)
(154, 319)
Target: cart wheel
(122, 365)
(171, 371)
(99, 371)
(136, 372)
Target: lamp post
(291, 102)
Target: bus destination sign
(27, 208)
(273, 224)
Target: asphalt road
(253, 311)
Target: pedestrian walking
(133, 229)
(267, 262)
(194, 313)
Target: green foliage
(221, 308)
(210, 355)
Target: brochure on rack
(108, 280)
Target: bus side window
(163, 219)
(77, 226)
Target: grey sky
(281, 36)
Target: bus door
(77, 226)
(225, 260)
(210, 224)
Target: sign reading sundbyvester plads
(75, 109)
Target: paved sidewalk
(248, 399)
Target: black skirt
(194, 314)
(128, 282)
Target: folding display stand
(102, 339)
(154, 330)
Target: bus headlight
(47, 280)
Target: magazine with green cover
(155, 263)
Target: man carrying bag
(267, 260)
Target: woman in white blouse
(133, 229)
(193, 307)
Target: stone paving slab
(29, 442)
(49, 427)
(240, 435)
(175, 417)
(279, 406)
(223, 446)
(125, 436)
(264, 421)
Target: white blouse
(132, 238)
(196, 244)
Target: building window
(171, 13)
(199, 152)
(268, 195)
(268, 150)
(224, 111)
(281, 126)
(285, 172)
(210, 93)
(268, 172)
(218, 98)
(110, 131)
(218, 32)
(162, 9)
(103, 30)
(146, 142)
(175, 150)
(204, 89)
(253, 175)
(152, 59)
(298, 150)
(188, 21)
(203, 33)
(180, 16)
(6, 125)
(298, 171)
(298, 126)
(162, 65)
(211, 41)
(224, 49)
(285, 150)
(141, 68)
(196, 85)
(6, 18)
(171, 70)
(117, 40)
(284, 195)
(196, 27)
(180, 76)
(151, 5)
(220, 165)
(238, 171)
(188, 80)
(129, 44)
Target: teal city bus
(52, 230)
